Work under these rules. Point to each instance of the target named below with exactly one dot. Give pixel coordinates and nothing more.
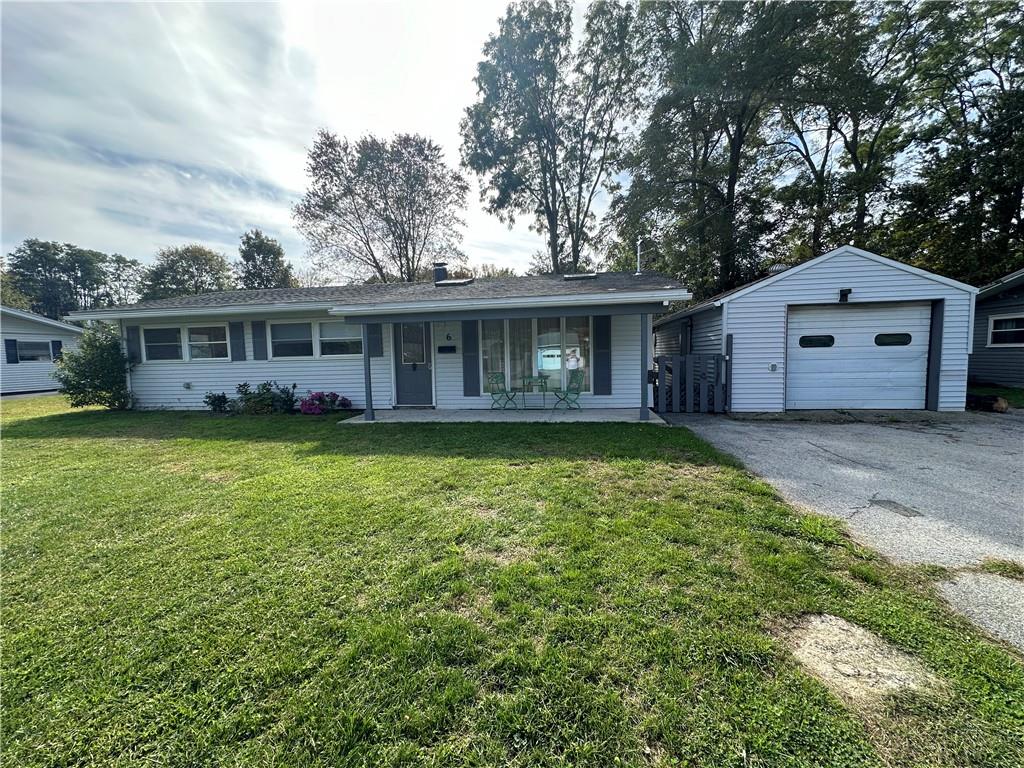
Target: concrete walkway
(517, 416)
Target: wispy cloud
(130, 127)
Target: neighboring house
(849, 329)
(31, 345)
(998, 356)
(427, 344)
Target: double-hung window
(162, 343)
(337, 338)
(208, 342)
(1006, 331)
(291, 339)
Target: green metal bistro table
(535, 385)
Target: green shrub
(218, 402)
(95, 373)
(267, 397)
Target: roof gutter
(444, 305)
(524, 302)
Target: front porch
(522, 416)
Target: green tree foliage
(185, 271)
(10, 296)
(963, 216)
(381, 209)
(95, 373)
(57, 278)
(544, 134)
(261, 263)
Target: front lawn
(194, 590)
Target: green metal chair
(570, 396)
(501, 396)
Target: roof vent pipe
(440, 271)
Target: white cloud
(130, 127)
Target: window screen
(208, 343)
(337, 338)
(892, 339)
(824, 340)
(33, 351)
(162, 343)
(291, 339)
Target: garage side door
(857, 356)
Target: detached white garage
(848, 330)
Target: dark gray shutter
(259, 340)
(602, 355)
(11, 350)
(470, 358)
(375, 337)
(56, 349)
(134, 342)
(236, 331)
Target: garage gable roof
(846, 250)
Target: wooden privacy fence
(694, 383)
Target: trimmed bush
(95, 373)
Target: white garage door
(857, 356)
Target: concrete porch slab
(561, 416)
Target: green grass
(1007, 568)
(1013, 395)
(193, 590)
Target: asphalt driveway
(918, 486)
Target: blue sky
(127, 128)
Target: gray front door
(413, 363)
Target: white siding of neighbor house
(35, 376)
(757, 323)
(707, 332)
(162, 384)
(626, 368)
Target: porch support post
(368, 413)
(644, 320)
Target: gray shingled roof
(386, 293)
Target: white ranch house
(32, 343)
(427, 344)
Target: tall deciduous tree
(41, 271)
(124, 277)
(261, 263)
(186, 270)
(381, 209)
(544, 134)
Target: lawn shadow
(322, 435)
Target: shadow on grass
(321, 435)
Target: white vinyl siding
(852, 370)
(37, 375)
(707, 332)
(162, 384)
(757, 323)
(626, 369)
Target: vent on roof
(775, 269)
(580, 276)
(459, 281)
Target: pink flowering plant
(318, 403)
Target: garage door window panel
(821, 341)
(893, 339)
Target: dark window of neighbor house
(823, 340)
(1006, 331)
(33, 351)
(892, 339)
(162, 343)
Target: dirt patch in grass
(855, 664)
